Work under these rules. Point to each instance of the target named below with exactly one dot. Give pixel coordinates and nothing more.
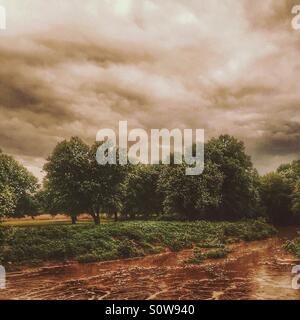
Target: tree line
(230, 188)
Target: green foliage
(291, 175)
(66, 170)
(87, 243)
(190, 197)
(8, 201)
(199, 256)
(140, 196)
(179, 244)
(254, 230)
(296, 201)
(240, 186)
(76, 183)
(290, 172)
(228, 189)
(128, 249)
(98, 257)
(103, 185)
(280, 194)
(275, 192)
(17, 187)
(217, 254)
(293, 247)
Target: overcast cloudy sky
(73, 67)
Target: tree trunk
(96, 218)
(116, 216)
(74, 219)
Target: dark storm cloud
(281, 139)
(270, 15)
(70, 68)
(95, 53)
(17, 94)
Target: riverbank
(87, 243)
(252, 270)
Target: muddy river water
(256, 270)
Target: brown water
(257, 270)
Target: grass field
(88, 243)
(36, 223)
(48, 220)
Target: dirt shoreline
(254, 270)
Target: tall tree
(191, 197)
(75, 183)
(240, 187)
(291, 172)
(140, 195)
(276, 198)
(296, 201)
(8, 201)
(17, 188)
(67, 172)
(103, 185)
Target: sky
(69, 68)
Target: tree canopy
(75, 183)
(17, 188)
(140, 195)
(276, 196)
(240, 186)
(229, 188)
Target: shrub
(121, 240)
(199, 256)
(293, 247)
(127, 249)
(217, 254)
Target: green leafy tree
(8, 201)
(17, 188)
(296, 201)
(276, 196)
(103, 186)
(52, 201)
(140, 195)
(75, 183)
(291, 172)
(240, 186)
(64, 185)
(191, 197)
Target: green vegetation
(229, 189)
(280, 194)
(17, 188)
(199, 256)
(33, 223)
(140, 195)
(76, 183)
(293, 247)
(88, 243)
